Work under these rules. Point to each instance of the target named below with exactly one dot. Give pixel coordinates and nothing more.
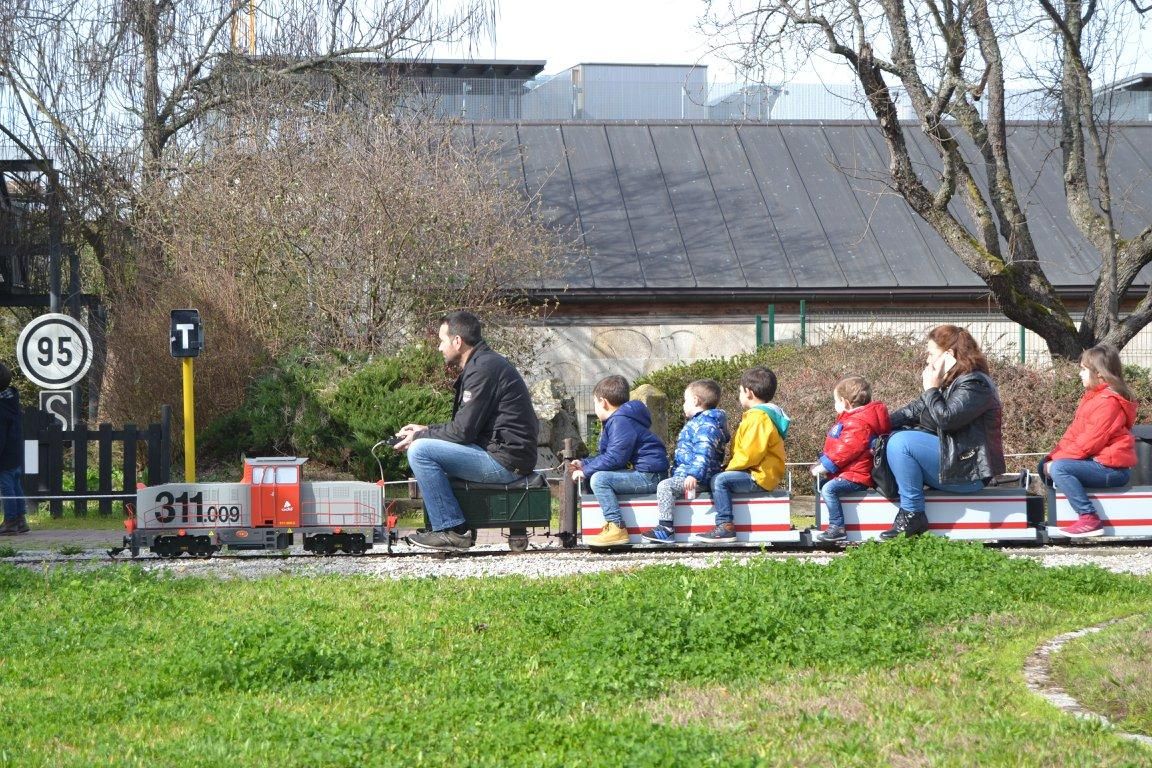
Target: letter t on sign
(187, 336)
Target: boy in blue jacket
(626, 440)
(699, 454)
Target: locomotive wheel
(518, 543)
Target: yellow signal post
(186, 339)
(189, 422)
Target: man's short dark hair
(760, 382)
(5, 376)
(614, 389)
(465, 325)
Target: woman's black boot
(898, 527)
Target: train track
(1093, 547)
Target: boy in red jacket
(847, 456)
(1097, 450)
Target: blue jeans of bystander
(13, 494)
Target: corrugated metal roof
(783, 207)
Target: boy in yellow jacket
(757, 452)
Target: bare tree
(948, 56)
(329, 232)
(107, 87)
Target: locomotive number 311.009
(191, 509)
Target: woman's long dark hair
(1103, 362)
(964, 348)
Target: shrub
(334, 409)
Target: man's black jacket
(493, 410)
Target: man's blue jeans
(435, 463)
(915, 460)
(1072, 476)
(723, 486)
(831, 491)
(606, 484)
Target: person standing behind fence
(1097, 450)
(699, 454)
(11, 456)
(847, 456)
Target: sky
(650, 32)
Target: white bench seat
(760, 518)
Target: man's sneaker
(611, 535)
(907, 523)
(834, 533)
(442, 541)
(724, 533)
(1087, 525)
(661, 534)
(14, 527)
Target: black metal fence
(122, 457)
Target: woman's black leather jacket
(967, 418)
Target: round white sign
(54, 351)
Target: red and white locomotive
(264, 511)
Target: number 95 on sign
(54, 351)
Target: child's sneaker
(611, 535)
(1087, 525)
(661, 534)
(833, 533)
(724, 533)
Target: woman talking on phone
(949, 438)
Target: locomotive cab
(275, 485)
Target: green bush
(1038, 403)
(334, 409)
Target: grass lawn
(1109, 672)
(40, 520)
(907, 653)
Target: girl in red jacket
(1097, 450)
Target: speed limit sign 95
(54, 351)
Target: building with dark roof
(692, 229)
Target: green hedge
(333, 410)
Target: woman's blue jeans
(915, 460)
(1072, 476)
(435, 463)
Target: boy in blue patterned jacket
(699, 454)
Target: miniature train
(272, 505)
